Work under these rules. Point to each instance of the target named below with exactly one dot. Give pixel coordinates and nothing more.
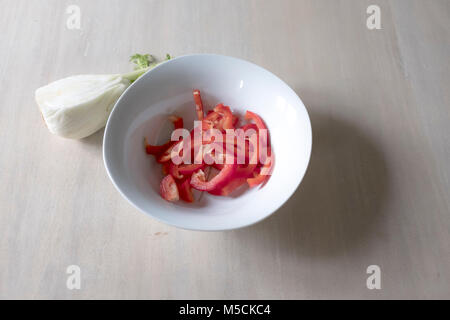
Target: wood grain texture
(376, 192)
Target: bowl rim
(248, 224)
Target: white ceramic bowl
(143, 109)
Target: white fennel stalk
(78, 106)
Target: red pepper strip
(179, 171)
(167, 154)
(235, 120)
(264, 175)
(249, 126)
(224, 110)
(229, 188)
(185, 191)
(227, 120)
(245, 128)
(246, 170)
(233, 141)
(198, 180)
(241, 172)
(173, 170)
(207, 137)
(257, 119)
(198, 104)
(169, 189)
(213, 115)
(221, 118)
(240, 175)
(177, 122)
(207, 124)
(261, 126)
(231, 177)
(259, 123)
(157, 150)
(188, 169)
(234, 149)
(165, 168)
(211, 120)
(257, 180)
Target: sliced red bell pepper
(228, 188)
(221, 118)
(165, 168)
(256, 181)
(232, 141)
(235, 120)
(188, 169)
(257, 119)
(198, 104)
(180, 171)
(213, 115)
(264, 175)
(173, 170)
(169, 189)
(167, 154)
(180, 179)
(227, 117)
(158, 150)
(231, 177)
(249, 126)
(198, 179)
(185, 190)
(177, 122)
(211, 120)
(246, 170)
(264, 144)
(239, 178)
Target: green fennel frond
(142, 60)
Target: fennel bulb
(78, 106)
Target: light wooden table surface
(376, 193)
